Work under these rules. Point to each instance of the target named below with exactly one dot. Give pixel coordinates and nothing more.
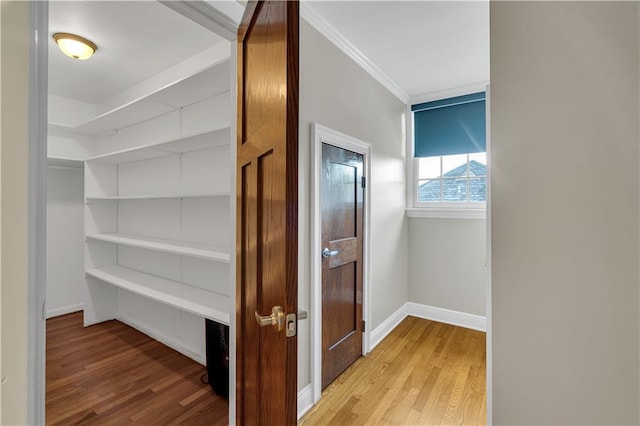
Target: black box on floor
(217, 346)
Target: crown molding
(319, 22)
(451, 92)
(221, 17)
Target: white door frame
(37, 209)
(489, 335)
(320, 135)
(222, 18)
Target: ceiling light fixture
(75, 46)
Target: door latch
(292, 323)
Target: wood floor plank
(110, 373)
(424, 372)
(377, 368)
(391, 388)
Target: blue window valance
(450, 126)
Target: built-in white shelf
(166, 173)
(123, 116)
(64, 162)
(202, 251)
(182, 296)
(208, 139)
(162, 100)
(157, 197)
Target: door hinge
(363, 326)
(364, 182)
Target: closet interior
(139, 212)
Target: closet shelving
(175, 145)
(157, 215)
(202, 251)
(64, 162)
(143, 104)
(187, 298)
(156, 197)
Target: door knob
(328, 253)
(276, 318)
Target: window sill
(448, 212)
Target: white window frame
(436, 210)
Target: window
(450, 166)
(452, 178)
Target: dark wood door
(342, 227)
(267, 211)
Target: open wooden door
(267, 214)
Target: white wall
(564, 119)
(338, 94)
(65, 240)
(14, 51)
(447, 264)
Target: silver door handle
(328, 253)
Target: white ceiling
(424, 46)
(136, 40)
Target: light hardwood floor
(111, 374)
(423, 373)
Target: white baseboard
(387, 326)
(64, 310)
(447, 316)
(162, 338)
(305, 400)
